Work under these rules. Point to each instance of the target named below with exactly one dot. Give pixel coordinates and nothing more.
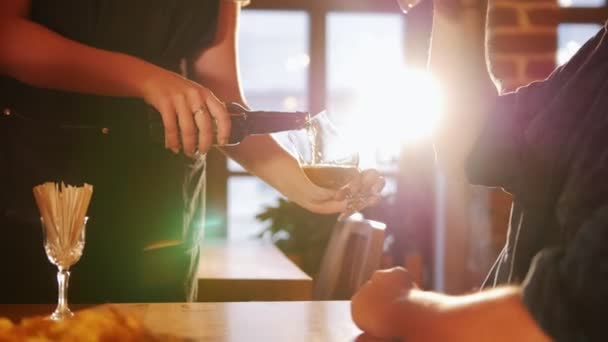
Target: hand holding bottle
(188, 111)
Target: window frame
(417, 29)
(583, 15)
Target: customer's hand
(187, 110)
(374, 307)
(366, 186)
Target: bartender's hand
(188, 110)
(375, 307)
(366, 187)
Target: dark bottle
(246, 122)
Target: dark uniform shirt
(142, 192)
(547, 144)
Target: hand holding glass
(327, 159)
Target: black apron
(141, 190)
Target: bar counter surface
(249, 270)
(324, 321)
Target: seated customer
(547, 145)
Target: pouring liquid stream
(325, 174)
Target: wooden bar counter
(251, 270)
(325, 321)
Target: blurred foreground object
(104, 323)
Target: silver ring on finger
(200, 110)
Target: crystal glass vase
(63, 247)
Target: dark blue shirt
(547, 144)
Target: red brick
(501, 16)
(523, 43)
(543, 17)
(539, 69)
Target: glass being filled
(328, 159)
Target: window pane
(274, 59)
(582, 3)
(273, 48)
(247, 197)
(355, 57)
(571, 37)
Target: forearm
(495, 315)
(458, 60)
(265, 158)
(42, 58)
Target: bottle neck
(264, 122)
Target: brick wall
(523, 40)
(523, 46)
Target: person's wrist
(141, 77)
(421, 313)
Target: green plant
(298, 232)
